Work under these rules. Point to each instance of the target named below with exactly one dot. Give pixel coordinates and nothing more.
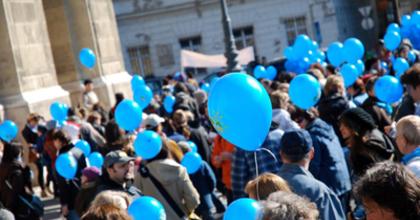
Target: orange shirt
(221, 145)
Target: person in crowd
(171, 132)
(83, 113)
(69, 188)
(86, 131)
(222, 158)
(286, 77)
(318, 67)
(408, 141)
(87, 190)
(119, 97)
(184, 100)
(45, 160)
(409, 106)
(154, 122)
(333, 104)
(172, 178)
(100, 108)
(243, 162)
(107, 211)
(287, 206)
(129, 145)
(114, 136)
(30, 135)
(318, 75)
(15, 181)
(182, 80)
(389, 191)
(357, 92)
(118, 198)
(280, 103)
(95, 120)
(51, 151)
(117, 174)
(275, 86)
(330, 70)
(328, 164)
(367, 144)
(191, 79)
(200, 97)
(89, 97)
(374, 107)
(297, 151)
(266, 84)
(262, 186)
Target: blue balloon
(271, 73)
(128, 115)
(148, 144)
(59, 111)
(243, 209)
(237, 96)
(392, 58)
(176, 76)
(148, 208)
(360, 66)
(213, 81)
(392, 40)
(388, 89)
(384, 65)
(406, 20)
(193, 146)
(393, 27)
(168, 103)
(66, 166)
(304, 91)
(96, 159)
(87, 57)
(349, 74)
(320, 55)
(143, 96)
(353, 50)
(137, 81)
(412, 56)
(8, 130)
(400, 65)
(259, 72)
(288, 52)
(301, 46)
(84, 146)
(311, 56)
(192, 162)
(405, 32)
(415, 17)
(313, 46)
(304, 64)
(205, 87)
(335, 54)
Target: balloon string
(256, 170)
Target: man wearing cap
(118, 174)
(89, 97)
(297, 152)
(154, 122)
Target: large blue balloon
(128, 115)
(205, 87)
(384, 65)
(8, 130)
(360, 66)
(335, 54)
(406, 20)
(392, 40)
(353, 50)
(320, 55)
(168, 103)
(259, 72)
(148, 144)
(143, 96)
(148, 208)
(234, 97)
(304, 91)
(59, 111)
(349, 74)
(393, 27)
(137, 81)
(243, 209)
(301, 46)
(288, 53)
(411, 56)
(213, 81)
(388, 89)
(192, 162)
(84, 146)
(66, 166)
(400, 65)
(193, 146)
(87, 57)
(271, 73)
(96, 159)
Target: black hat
(358, 119)
(116, 156)
(296, 142)
(88, 81)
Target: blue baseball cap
(296, 142)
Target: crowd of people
(349, 157)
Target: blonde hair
(120, 199)
(316, 73)
(278, 98)
(333, 85)
(267, 183)
(409, 127)
(129, 144)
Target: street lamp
(231, 53)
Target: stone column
(74, 25)
(28, 81)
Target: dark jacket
(328, 164)
(105, 183)
(70, 188)
(381, 117)
(199, 137)
(85, 197)
(204, 181)
(18, 176)
(407, 107)
(378, 147)
(330, 108)
(29, 136)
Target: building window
(140, 60)
(193, 44)
(244, 37)
(295, 27)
